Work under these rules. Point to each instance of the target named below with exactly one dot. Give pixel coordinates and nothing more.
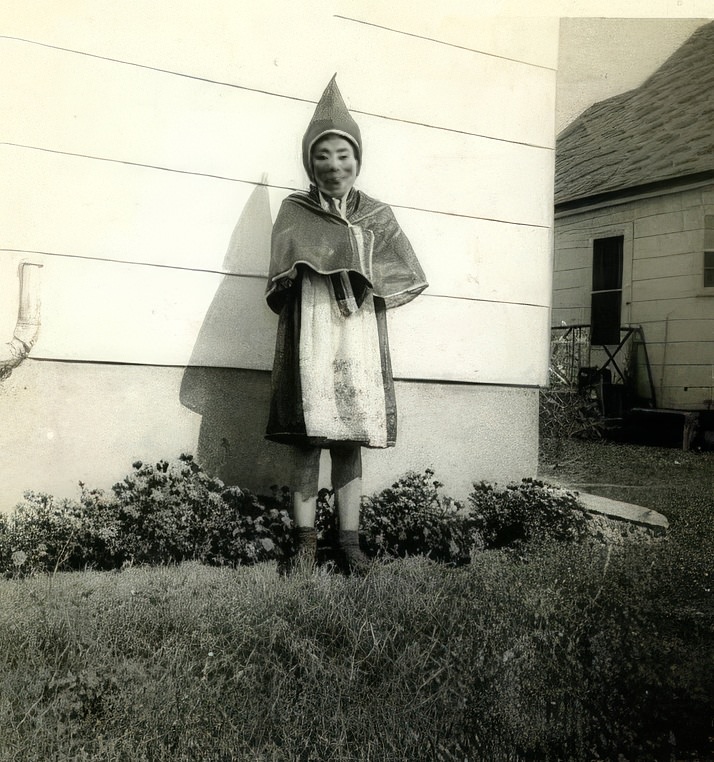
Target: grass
(581, 653)
(673, 482)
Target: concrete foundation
(64, 422)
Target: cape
(369, 246)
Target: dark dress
(332, 278)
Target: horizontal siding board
(692, 330)
(481, 259)
(207, 224)
(238, 52)
(668, 245)
(683, 352)
(410, 166)
(422, 95)
(679, 398)
(95, 107)
(666, 267)
(460, 23)
(569, 291)
(80, 207)
(683, 308)
(459, 340)
(691, 336)
(567, 279)
(576, 298)
(658, 289)
(676, 330)
(101, 108)
(572, 258)
(654, 332)
(659, 224)
(578, 224)
(112, 312)
(701, 376)
(428, 94)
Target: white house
(146, 149)
(634, 227)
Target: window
(709, 269)
(606, 300)
(708, 251)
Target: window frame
(707, 260)
(708, 270)
(607, 295)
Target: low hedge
(173, 511)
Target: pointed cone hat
(331, 117)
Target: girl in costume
(339, 260)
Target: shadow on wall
(233, 402)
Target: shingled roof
(663, 131)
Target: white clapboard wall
(146, 147)
(664, 241)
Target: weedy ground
(575, 652)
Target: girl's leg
(307, 471)
(347, 484)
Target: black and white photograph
(357, 381)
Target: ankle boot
(304, 553)
(356, 561)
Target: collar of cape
(369, 245)
(360, 207)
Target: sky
(601, 57)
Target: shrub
(5, 544)
(165, 512)
(412, 518)
(527, 511)
(43, 534)
(161, 508)
(170, 512)
(241, 529)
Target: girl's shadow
(238, 329)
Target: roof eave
(632, 193)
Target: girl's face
(334, 165)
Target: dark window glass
(607, 263)
(606, 304)
(708, 269)
(605, 317)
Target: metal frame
(575, 333)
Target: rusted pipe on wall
(27, 327)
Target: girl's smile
(334, 165)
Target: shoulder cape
(369, 246)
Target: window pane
(708, 269)
(605, 318)
(607, 263)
